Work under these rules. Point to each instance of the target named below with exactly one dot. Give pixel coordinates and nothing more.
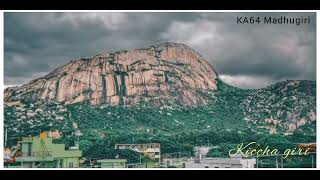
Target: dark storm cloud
(261, 53)
(36, 43)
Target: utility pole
(6, 137)
(78, 142)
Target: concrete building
(233, 162)
(111, 163)
(152, 150)
(41, 152)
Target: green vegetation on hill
(232, 116)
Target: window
(29, 149)
(70, 164)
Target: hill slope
(229, 108)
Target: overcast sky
(248, 56)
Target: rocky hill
(284, 106)
(165, 72)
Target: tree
(214, 153)
(85, 145)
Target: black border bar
(158, 5)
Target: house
(152, 150)
(41, 152)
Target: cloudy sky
(248, 56)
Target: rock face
(160, 73)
